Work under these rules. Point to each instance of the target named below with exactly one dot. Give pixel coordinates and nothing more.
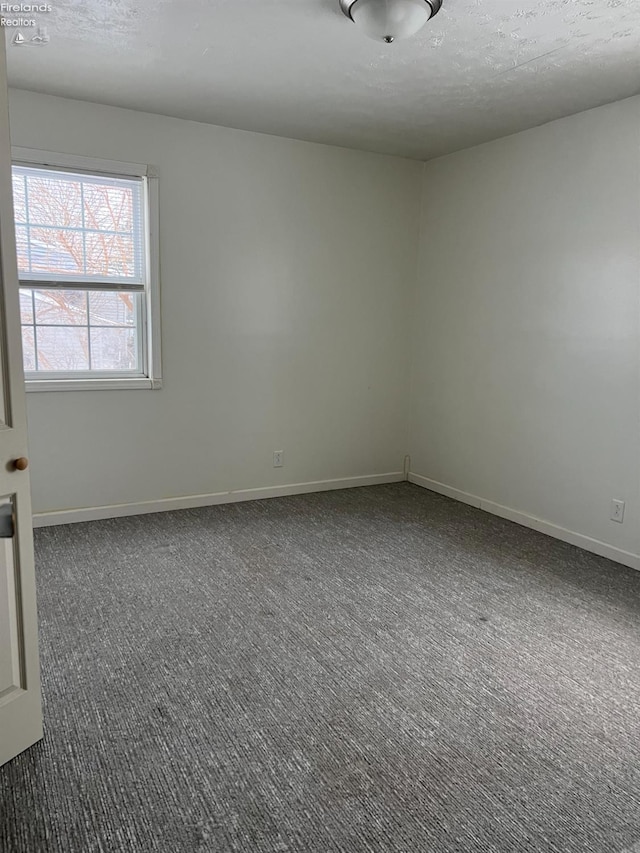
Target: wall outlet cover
(617, 511)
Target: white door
(20, 709)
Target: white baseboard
(627, 558)
(93, 513)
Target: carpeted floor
(377, 669)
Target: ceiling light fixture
(388, 20)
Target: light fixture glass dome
(388, 20)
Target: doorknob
(21, 463)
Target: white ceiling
(479, 70)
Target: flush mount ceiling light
(388, 20)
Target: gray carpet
(377, 669)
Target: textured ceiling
(479, 70)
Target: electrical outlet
(278, 458)
(617, 511)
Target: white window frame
(150, 320)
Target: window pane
(80, 224)
(26, 306)
(56, 251)
(22, 249)
(113, 349)
(110, 255)
(19, 207)
(63, 348)
(54, 200)
(61, 307)
(108, 308)
(108, 208)
(28, 349)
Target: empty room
(320, 426)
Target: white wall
(526, 370)
(286, 273)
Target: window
(87, 265)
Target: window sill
(137, 383)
